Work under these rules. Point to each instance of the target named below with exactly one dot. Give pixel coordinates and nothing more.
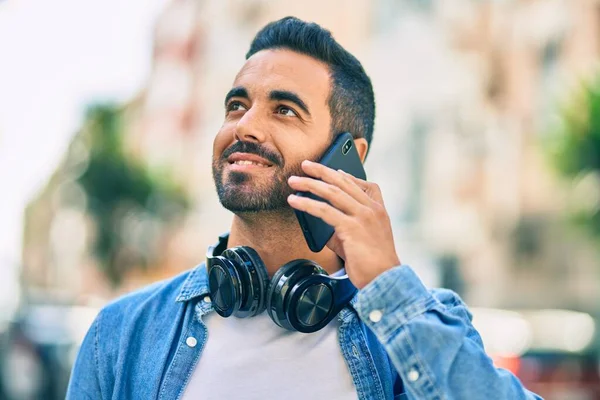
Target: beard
(239, 194)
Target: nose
(251, 127)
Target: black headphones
(300, 297)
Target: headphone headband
(218, 248)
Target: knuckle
(334, 190)
(366, 213)
(343, 177)
(321, 206)
(379, 210)
(314, 186)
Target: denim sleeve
(84, 382)
(431, 342)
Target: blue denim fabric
(422, 346)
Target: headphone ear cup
(225, 287)
(311, 304)
(316, 300)
(253, 278)
(281, 283)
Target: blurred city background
(486, 147)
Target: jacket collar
(195, 285)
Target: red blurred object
(556, 375)
(510, 363)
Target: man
(395, 340)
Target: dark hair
(351, 99)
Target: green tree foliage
(575, 151)
(130, 206)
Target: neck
(278, 239)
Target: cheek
(296, 151)
(222, 140)
(312, 148)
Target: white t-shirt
(252, 358)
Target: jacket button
(191, 341)
(413, 375)
(375, 315)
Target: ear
(361, 146)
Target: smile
(246, 162)
(243, 161)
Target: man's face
(276, 116)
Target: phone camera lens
(347, 147)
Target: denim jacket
(399, 341)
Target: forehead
(283, 69)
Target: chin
(251, 180)
(248, 199)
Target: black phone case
(316, 231)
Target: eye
(288, 112)
(235, 106)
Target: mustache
(252, 148)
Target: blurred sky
(56, 57)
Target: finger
(336, 178)
(372, 189)
(361, 183)
(333, 194)
(320, 209)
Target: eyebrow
(277, 95)
(285, 95)
(238, 91)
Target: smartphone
(342, 155)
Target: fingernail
(292, 178)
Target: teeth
(245, 162)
